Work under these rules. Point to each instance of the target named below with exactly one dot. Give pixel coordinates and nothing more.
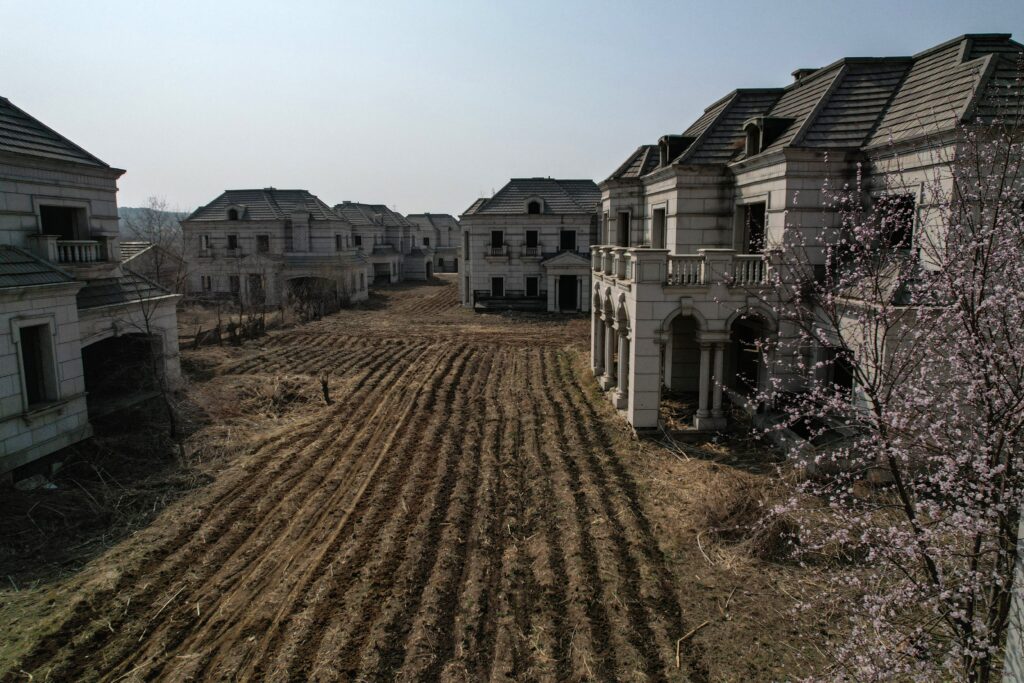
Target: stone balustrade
(705, 268)
(79, 251)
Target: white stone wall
(478, 267)
(26, 436)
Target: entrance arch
(750, 334)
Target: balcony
(706, 268)
(72, 252)
(496, 253)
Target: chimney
(801, 74)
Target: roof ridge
(54, 132)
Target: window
(234, 284)
(497, 238)
(38, 372)
(532, 286)
(232, 242)
(362, 281)
(204, 242)
(622, 230)
(497, 286)
(440, 264)
(895, 216)
(567, 240)
(660, 229)
(289, 235)
(531, 238)
(465, 245)
(263, 244)
(754, 216)
(426, 241)
(357, 240)
(257, 293)
(533, 207)
(67, 222)
(232, 214)
(206, 283)
(338, 243)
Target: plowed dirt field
(459, 512)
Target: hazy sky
(422, 106)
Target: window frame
(51, 368)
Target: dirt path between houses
(462, 511)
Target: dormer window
(753, 143)
(232, 214)
(533, 206)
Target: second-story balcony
(86, 252)
(706, 268)
(497, 252)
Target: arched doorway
(745, 360)
(120, 372)
(680, 373)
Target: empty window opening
(567, 240)
(754, 216)
(232, 214)
(263, 244)
(206, 282)
(533, 207)
(232, 242)
(234, 284)
(204, 242)
(426, 241)
(36, 348)
(752, 144)
(532, 286)
(67, 222)
(895, 216)
(497, 286)
(357, 240)
(659, 238)
(465, 246)
(622, 230)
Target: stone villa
(390, 241)
(525, 247)
(257, 246)
(688, 222)
(78, 328)
(442, 233)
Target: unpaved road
(461, 512)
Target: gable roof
(21, 133)
(359, 214)
(269, 203)
(20, 269)
(560, 197)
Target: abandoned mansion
(682, 285)
(80, 333)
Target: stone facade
(442, 233)
(681, 283)
(526, 247)
(254, 245)
(63, 290)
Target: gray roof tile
(265, 205)
(371, 214)
(118, 290)
(560, 196)
(21, 269)
(23, 134)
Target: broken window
(263, 244)
(35, 344)
(754, 216)
(895, 216)
(67, 222)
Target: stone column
(705, 380)
(716, 402)
(609, 355)
(597, 343)
(622, 392)
(666, 369)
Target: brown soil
(469, 508)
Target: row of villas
(80, 332)
(681, 290)
(261, 246)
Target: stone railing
(705, 268)
(79, 251)
(686, 270)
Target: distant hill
(143, 216)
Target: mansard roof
(557, 197)
(854, 103)
(444, 221)
(21, 133)
(371, 214)
(267, 204)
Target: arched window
(533, 207)
(232, 214)
(753, 141)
